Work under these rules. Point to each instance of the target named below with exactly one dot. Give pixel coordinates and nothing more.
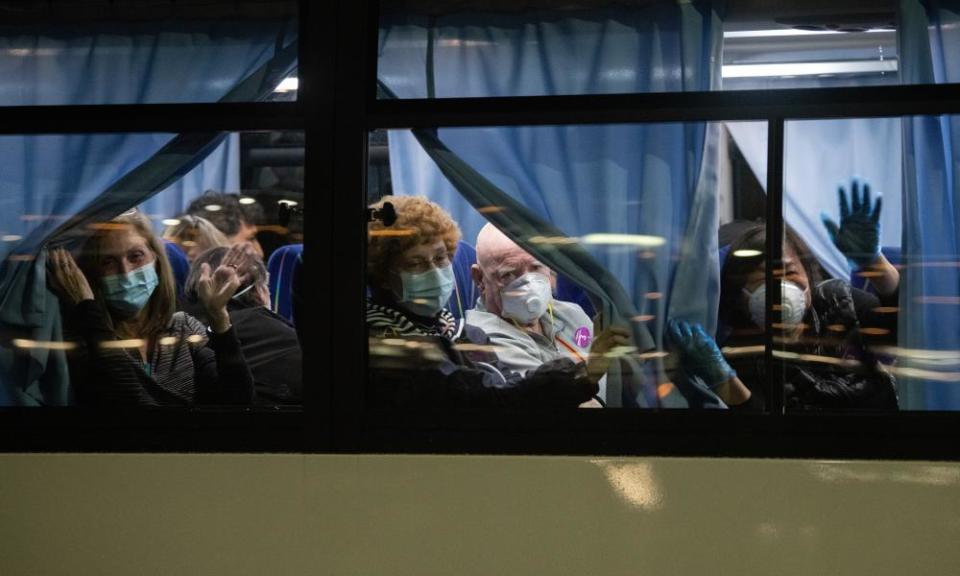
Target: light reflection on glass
(42, 345)
(625, 239)
(120, 344)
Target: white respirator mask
(526, 298)
(793, 301)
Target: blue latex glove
(700, 355)
(858, 235)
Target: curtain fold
(546, 185)
(930, 284)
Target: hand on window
(858, 234)
(699, 354)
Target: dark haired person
(238, 222)
(828, 328)
(269, 343)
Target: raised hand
(215, 288)
(858, 234)
(241, 256)
(66, 279)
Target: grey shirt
(567, 333)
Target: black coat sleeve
(878, 316)
(220, 371)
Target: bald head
(499, 262)
(492, 245)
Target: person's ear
(477, 275)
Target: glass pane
(554, 266)
(118, 53)
(870, 318)
(106, 299)
(483, 49)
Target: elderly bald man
(517, 310)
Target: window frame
(337, 107)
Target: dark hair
(213, 257)
(252, 213)
(230, 216)
(734, 270)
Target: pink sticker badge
(582, 337)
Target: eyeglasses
(418, 265)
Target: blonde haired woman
(195, 235)
(135, 348)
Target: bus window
(487, 50)
(873, 326)
(120, 53)
(150, 269)
(554, 266)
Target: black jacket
(413, 365)
(834, 365)
(272, 351)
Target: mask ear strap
(242, 292)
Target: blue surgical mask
(127, 294)
(426, 293)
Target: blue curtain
(220, 171)
(930, 314)
(58, 183)
(133, 63)
(654, 180)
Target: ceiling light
(781, 32)
(808, 68)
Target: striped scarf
(385, 322)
